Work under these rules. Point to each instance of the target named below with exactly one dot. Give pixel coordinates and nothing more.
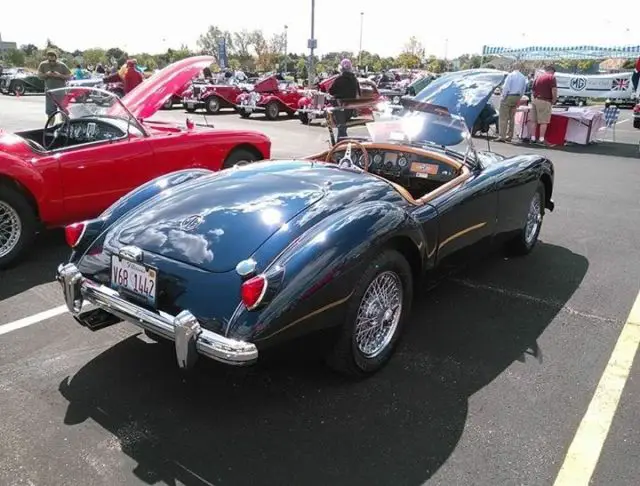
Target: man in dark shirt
(545, 95)
(344, 88)
(636, 75)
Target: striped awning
(543, 53)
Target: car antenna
(206, 122)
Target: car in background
(213, 96)
(18, 81)
(271, 96)
(97, 147)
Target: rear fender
(18, 172)
(95, 228)
(319, 272)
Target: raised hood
(217, 221)
(147, 98)
(463, 93)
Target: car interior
(81, 131)
(418, 174)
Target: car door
(466, 218)
(95, 175)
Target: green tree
(208, 42)
(15, 57)
(409, 61)
(94, 56)
(29, 49)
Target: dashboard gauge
(377, 158)
(402, 162)
(388, 165)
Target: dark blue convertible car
(232, 263)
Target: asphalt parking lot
(492, 381)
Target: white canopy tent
(553, 53)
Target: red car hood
(147, 98)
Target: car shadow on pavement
(37, 267)
(298, 423)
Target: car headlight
(396, 100)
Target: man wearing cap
(345, 87)
(55, 75)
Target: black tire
(636, 123)
(167, 105)
(212, 105)
(18, 88)
(524, 242)
(13, 199)
(304, 118)
(346, 357)
(244, 113)
(272, 110)
(240, 157)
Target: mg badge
(191, 223)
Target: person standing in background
(515, 84)
(545, 95)
(55, 75)
(344, 88)
(132, 77)
(635, 77)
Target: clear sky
(147, 26)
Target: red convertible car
(213, 96)
(98, 147)
(271, 96)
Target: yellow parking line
(584, 451)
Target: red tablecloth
(556, 130)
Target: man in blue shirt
(515, 84)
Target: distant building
(7, 46)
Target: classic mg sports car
(213, 96)
(230, 264)
(97, 148)
(314, 104)
(271, 96)
(18, 81)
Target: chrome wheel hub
(10, 228)
(379, 314)
(534, 218)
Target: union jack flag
(620, 84)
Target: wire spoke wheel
(10, 228)
(534, 218)
(379, 314)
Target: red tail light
(636, 108)
(73, 233)
(253, 290)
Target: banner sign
(613, 86)
(222, 53)
(541, 53)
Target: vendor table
(574, 125)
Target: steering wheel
(66, 122)
(346, 161)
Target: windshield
(81, 102)
(431, 129)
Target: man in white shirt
(515, 84)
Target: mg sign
(578, 84)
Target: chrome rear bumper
(190, 338)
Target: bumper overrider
(191, 340)
(312, 111)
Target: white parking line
(34, 319)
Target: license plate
(139, 279)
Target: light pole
(286, 63)
(312, 44)
(360, 50)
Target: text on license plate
(134, 277)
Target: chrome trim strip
(190, 338)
